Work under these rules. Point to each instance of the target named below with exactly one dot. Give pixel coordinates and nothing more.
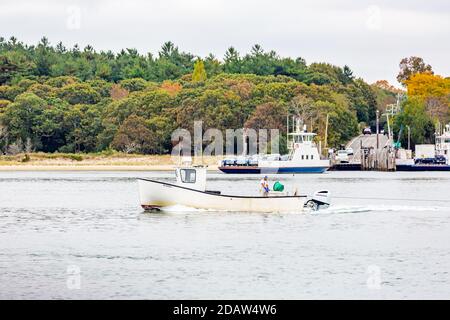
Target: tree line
(58, 99)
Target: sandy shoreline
(92, 168)
(95, 162)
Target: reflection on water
(83, 235)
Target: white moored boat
(190, 190)
(304, 156)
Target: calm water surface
(71, 235)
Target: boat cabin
(192, 177)
(301, 144)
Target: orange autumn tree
(117, 92)
(171, 87)
(434, 91)
(385, 85)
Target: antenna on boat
(326, 133)
(244, 141)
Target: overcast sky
(369, 36)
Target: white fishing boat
(190, 191)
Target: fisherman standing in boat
(264, 187)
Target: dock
(369, 154)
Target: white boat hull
(155, 195)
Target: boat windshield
(188, 175)
(303, 138)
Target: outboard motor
(320, 199)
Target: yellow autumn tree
(425, 84)
(434, 91)
(199, 73)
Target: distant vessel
(429, 157)
(303, 157)
(443, 143)
(190, 191)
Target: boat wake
(180, 208)
(333, 209)
(342, 209)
